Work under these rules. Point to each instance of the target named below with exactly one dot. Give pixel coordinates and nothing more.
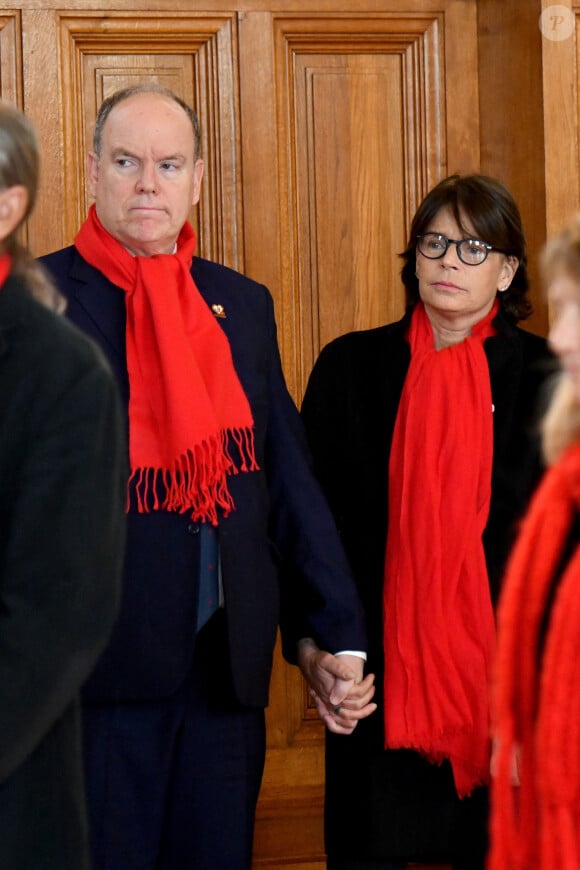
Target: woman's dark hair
(492, 212)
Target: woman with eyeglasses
(423, 437)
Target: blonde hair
(19, 165)
(561, 423)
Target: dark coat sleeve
(62, 475)
(318, 595)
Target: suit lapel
(102, 303)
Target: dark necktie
(209, 592)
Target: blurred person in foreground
(423, 438)
(63, 485)
(228, 531)
(535, 820)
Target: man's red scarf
(439, 625)
(536, 698)
(190, 423)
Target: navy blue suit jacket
(281, 556)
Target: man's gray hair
(144, 88)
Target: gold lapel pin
(218, 310)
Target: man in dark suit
(228, 532)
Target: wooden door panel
(349, 200)
(11, 57)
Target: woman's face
(452, 289)
(564, 338)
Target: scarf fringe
(477, 774)
(197, 479)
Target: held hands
(341, 695)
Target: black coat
(402, 807)
(281, 517)
(62, 480)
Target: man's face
(146, 178)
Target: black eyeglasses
(472, 252)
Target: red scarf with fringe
(536, 696)
(190, 423)
(438, 619)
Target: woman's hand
(515, 761)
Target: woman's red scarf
(536, 697)
(438, 619)
(5, 268)
(187, 406)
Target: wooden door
(561, 80)
(323, 126)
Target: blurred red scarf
(5, 268)
(438, 618)
(537, 693)
(186, 404)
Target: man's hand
(341, 695)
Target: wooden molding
(11, 70)
(11, 57)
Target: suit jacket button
(193, 529)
